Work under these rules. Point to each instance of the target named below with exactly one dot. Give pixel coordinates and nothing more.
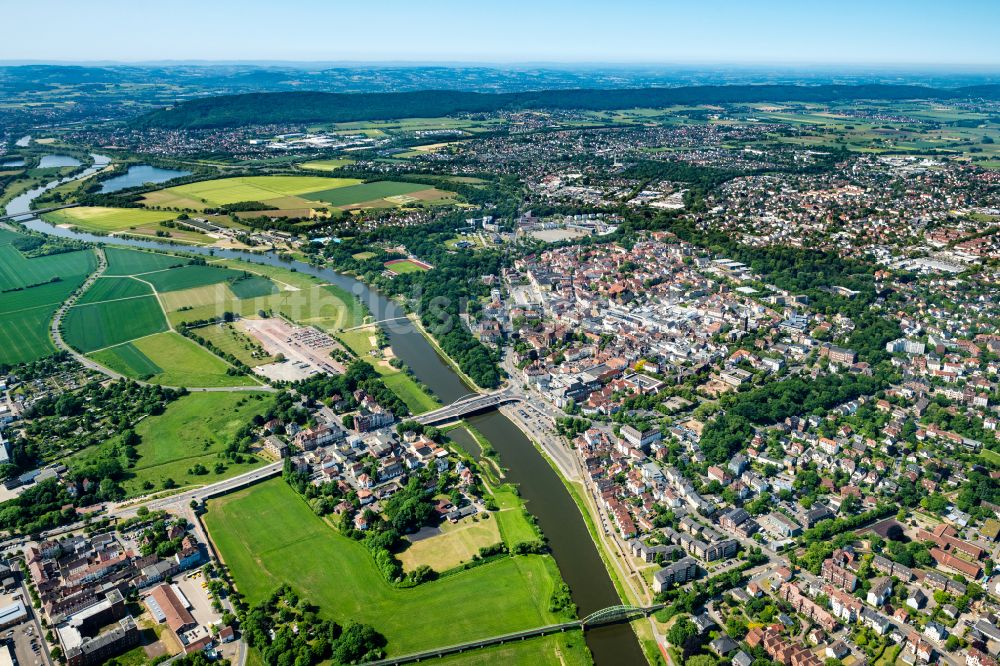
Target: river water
(546, 497)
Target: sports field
(134, 262)
(192, 430)
(399, 267)
(268, 536)
(99, 218)
(98, 325)
(222, 191)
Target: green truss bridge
(610, 615)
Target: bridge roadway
(467, 405)
(33, 213)
(602, 617)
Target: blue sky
(627, 31)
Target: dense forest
(312, 107)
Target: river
(558, 516)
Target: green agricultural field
(135, 262)
(25, 316)
(222, 191)
(229, 340)
(253, 287)
(357, 194)
(186, 363)
(99, 218)
(325, 165)
(99, 325)
(268, 536)
(17, 272)
(114, 288)
(192, 430)
(187, 277)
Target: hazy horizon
(891, 33)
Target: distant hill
(315, 107)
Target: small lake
(53, 161)
(12, 163)
(140, 175)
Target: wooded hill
(319, 107)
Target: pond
(140, 175)
(54, 161)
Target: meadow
(95, 326)
(99, 218)
(564, 649)
(456, 544)
(186, 363)
(268, 536)
(192, 430)
(188, 277)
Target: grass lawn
(228, 339)
(361, 256)
(114, 288)
(514, 525)
(268, 536)
(99, 325)
(133, 262)
(405, 266)
(407, 389)
(990, 456)
(222, 191)
(127, 360)
(192, 430)
(566, 649)
(171, 360)
(456, 544)
(186, 363)
(99, 218)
